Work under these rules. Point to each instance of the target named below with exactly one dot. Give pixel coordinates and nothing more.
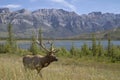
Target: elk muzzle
(56, 59)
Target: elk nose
(56, 59)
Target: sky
(78, 6)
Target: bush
(2, 48)
(63, 52)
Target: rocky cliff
(56, 22)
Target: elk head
(49, 51)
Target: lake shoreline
(25, 44)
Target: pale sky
(78, 6)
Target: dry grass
(11, 68)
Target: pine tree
(100, 49)
(11, 46)
(73, 50)
(109, 47)
(94, 46)
(85, 49)
(34, 47)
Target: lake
(65, 43)
(68, 43)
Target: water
(68, 43)
(65, 43)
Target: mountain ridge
(56, 23)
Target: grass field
(11, 68)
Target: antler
(52, 49)
(39, 42)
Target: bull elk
(38, 62)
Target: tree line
(97, 51)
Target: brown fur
(38, 62)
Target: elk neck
(47, 61)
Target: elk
(38, 62)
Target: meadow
(11, 68)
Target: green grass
(11, 68)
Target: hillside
(56, 23)
(114, 34)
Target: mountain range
(56, 23)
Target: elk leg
(40, 74)
(25, 68)
(38, 70)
